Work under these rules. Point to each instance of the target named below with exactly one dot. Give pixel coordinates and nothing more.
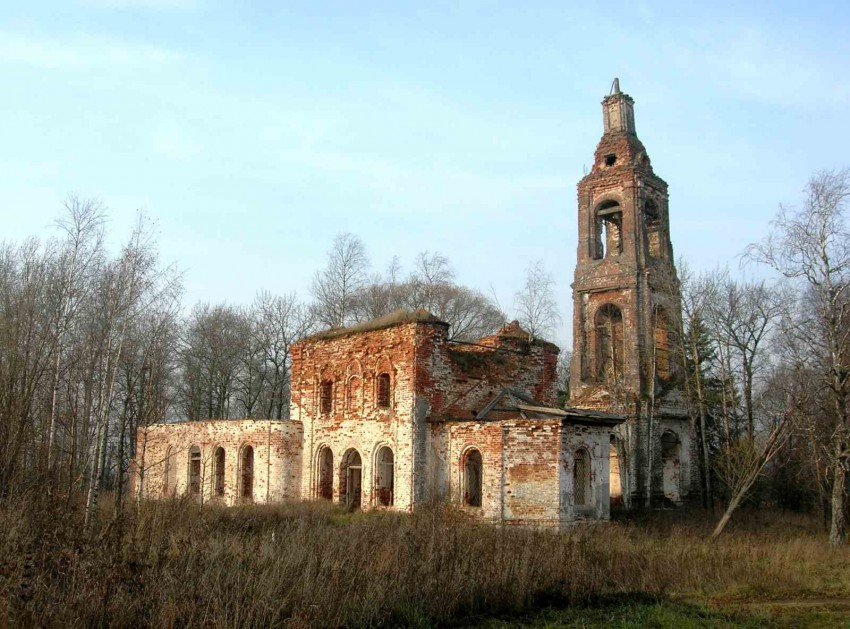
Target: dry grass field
(176, 564)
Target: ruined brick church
(394, 414)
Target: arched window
(246, 468)
(652, 224)
(582, 493)
(661, 339)
(326, 392)
(353, 399)
(609, 344)
(219, 471)
(194, 470)
(671, 452)
(472, 478)
(325, 487)
(350, 486)
(608, 227)
(384, 390)
(384, 477)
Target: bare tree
(812, 245)
(82, 224)
(745, 314)
(536, 308)
(336, 288)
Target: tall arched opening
(384, 477)
(473, 468)
(351, 480)
(325, 476)
(246, 469)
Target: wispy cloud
(139, 4)
(80, 52)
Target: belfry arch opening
(609, 344)
(652, 227)
(608, 230)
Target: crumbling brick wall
(352, 362)
(162, 465)
(432, 379)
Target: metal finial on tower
(615, 87)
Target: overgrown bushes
(310, 564)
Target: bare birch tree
(811, 245)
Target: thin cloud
(156, 5)
(82, 52)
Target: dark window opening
(384, 479)
(219, 471)
(581, 478)
(247, 466)
(384, 390)
(609, 344)
(610, 160)
(194, 470)
(326, 474)
(326, 396)
(472, 478)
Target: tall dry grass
(174, 564)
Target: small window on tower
(610, 160)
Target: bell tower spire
(618, 111)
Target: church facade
(393, 414)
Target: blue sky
(253, 132)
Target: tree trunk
(838, 526)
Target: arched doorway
(351, 485)
(472, 478)
(384, 477)
(246, 467)
(671, 454)
(325, 482)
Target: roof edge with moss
(399, 317)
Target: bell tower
(625, 310)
